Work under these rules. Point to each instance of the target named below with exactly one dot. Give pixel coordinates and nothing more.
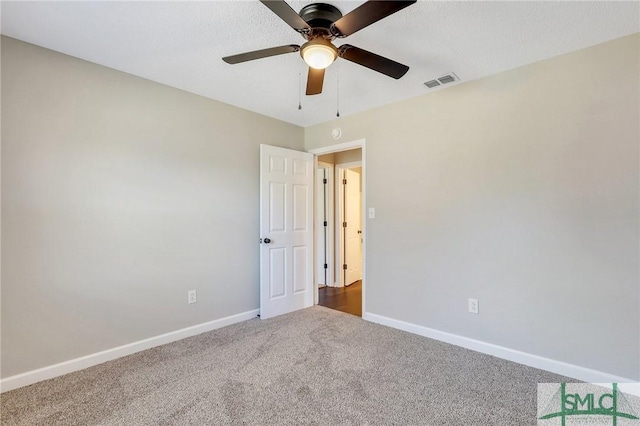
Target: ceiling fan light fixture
(319, 53)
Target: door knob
(266, 240)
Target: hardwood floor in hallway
(345, 299)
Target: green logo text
(588, 404)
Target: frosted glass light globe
(319, 55)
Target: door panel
(286, 215)
(299, 268)
(277, 272)
(300, 167)
(300, 210)
(277, 210)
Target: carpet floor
(312, 367)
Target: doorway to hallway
(340, 230)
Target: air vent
(449, 78)
(446, 79)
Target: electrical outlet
(191, 296)
(473, 306)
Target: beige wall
(119, 195)
(350, 156)
(520, 190)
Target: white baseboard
(558, 367)
(45, 373)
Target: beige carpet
(311, 367)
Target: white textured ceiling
(181, 44)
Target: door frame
(330, 225)
(346, 146)
(339, 230)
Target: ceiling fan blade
(315, 79)
(372, 61)
(287, 14)
(365, 15)
(259, 54)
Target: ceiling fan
(320, 24)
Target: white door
(286, 230)
(352, 241)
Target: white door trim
(360, 143)
(345, 146)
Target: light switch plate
(473, 306)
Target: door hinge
(325, 223)
(344, 224)
(344, 266)
(324, 181)
(326, 266)
(344, 181)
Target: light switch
(372, 213)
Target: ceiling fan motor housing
(320, 16)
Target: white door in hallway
(352, 232)
(286, 230)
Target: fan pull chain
(338, 89)
(300, 86)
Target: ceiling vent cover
(448, 78)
